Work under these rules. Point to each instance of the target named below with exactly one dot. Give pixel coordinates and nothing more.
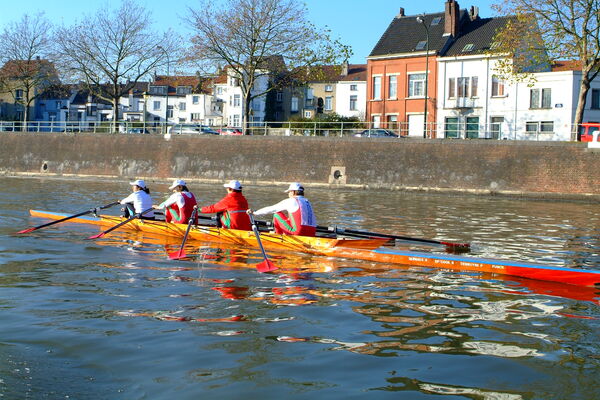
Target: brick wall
(530, 168)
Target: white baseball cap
(294, 186)
(177, 182)
(235, 185)
(138, 182)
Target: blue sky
(358, 23)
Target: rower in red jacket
(233, 206)
(300, 218)
(180, 205)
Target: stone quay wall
(532, 169)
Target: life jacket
(182, 215)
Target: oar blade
(95, 236)
(177, 255)
(26, 230)
(266, 266)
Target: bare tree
(24, 46)
(558, 30)
(111, 50)
(261, 38)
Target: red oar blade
(266, 266)
(176, 255)
(96, 236)
(26, 230)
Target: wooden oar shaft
(180, 253)
(91, 210)
(120, 224)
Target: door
(415, 125)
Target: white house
(474, 101)
(351, 91)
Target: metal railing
(291, 128)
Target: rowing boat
(312, 245)
(363, 249)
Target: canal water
(115, 318)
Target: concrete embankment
(536, 169)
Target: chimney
(451, 18)
(401, 13)
(474, 13)
(345, 68)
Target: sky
(357, 23)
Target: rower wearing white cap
(233, 208)
(139, 200)
(300, 219)
(180, 205)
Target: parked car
(137, 131)
(230, 131)
(587, 131)
(191, 129)
(376, 133)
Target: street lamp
(421, 20)
(167, 97)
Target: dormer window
(159, 90)
(421, 45)
(183, 90)
(468, 47)
(436, 21)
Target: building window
(181, 90)
(160, 90)
(462, 87)
(181, 106)
(219, 90)
(307, 114)
(451, 88)
(294, 106)
(279, 96)
(328, 88)
(451, 127)
(170, 112)
(416, 85)
(534, 127)
(392, 122)
(393, 87)
(19, 94)
(156, 106)
(353, 88)
(595, 99)
(540, 98)
(236, 120)
(237, 100)
(328, 103)
(376, 88)
(353, 101)
(376, 119)
(496, 127)
(195, 99)
(472, 128)
(497, 87)
(196, 116)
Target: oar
(181, 254)
(91, 210)
(120, 224)
(350, 232)
(266, 265)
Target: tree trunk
(116, 113)
(584, 87)
(247, 111)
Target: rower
(300, 219)
(232, 207)
(180, 205)
(139, 200)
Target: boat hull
(367, 249)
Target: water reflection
(210, 325)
